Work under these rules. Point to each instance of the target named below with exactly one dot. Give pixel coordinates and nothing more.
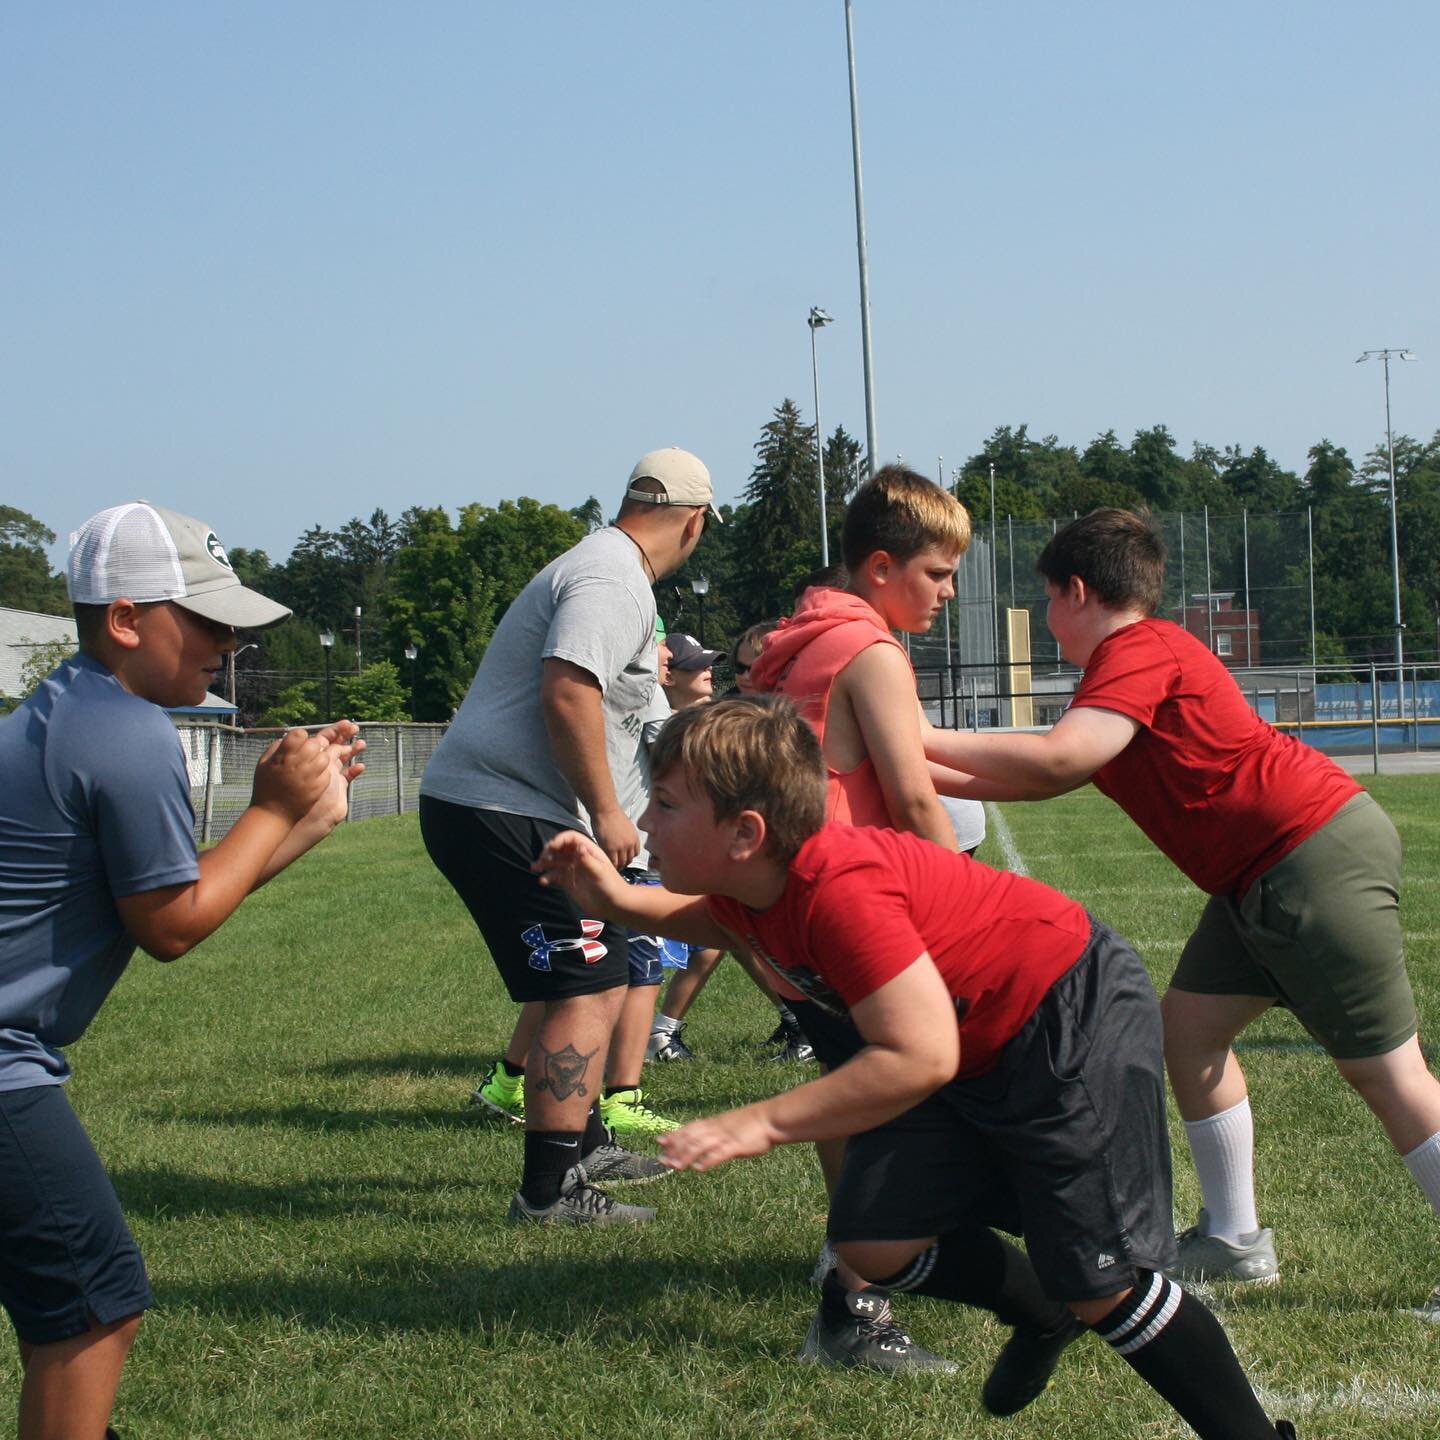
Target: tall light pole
(994, 595)
(357, 639)
(817, 319)
(701, 586)
(1384, 356)
(871, 443)
(327, 644)
(231, 658)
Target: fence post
(399, 772)
(212, 756)
(1374, 719)
(1299, 708)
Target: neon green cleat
(626, 1113)
(501, 1094)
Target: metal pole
(1394, 541)
(212, 760)
(1245, 547)
(1209, 598)
(994, 598)
(399, 772)
(815, 323)
(871, 442)
(949, 652)
(1310, 543)
(1374, 720)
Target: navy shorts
(1064, 1141)
(67, 1258)
(542, 946)
(652, 955)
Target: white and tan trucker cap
(145, 553)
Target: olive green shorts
(1319, 933)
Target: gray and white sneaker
(1430, 1310)
(611, 1163)
(1251, 1261)
(868, 1337)
(666, 1046)
(580, 1203)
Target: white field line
(1387, 1399)
(1014, 861)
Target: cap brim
(235, 605)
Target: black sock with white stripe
(1178, 1348)
(975, 1266)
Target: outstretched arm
(879, 687)
(912, 1048)
(1033, 767)
(574, 863)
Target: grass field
(284, 1115)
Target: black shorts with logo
(1064, 1142)
(541, 944)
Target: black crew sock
(976, 1267)
(549, 1154)
(833, 1291)
(1178, 1348)
(595, 1133)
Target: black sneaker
(580, 1203)
(667, 1046)
(611, 1163)
(866, 1336)
(1284, 1430)
(798, 1050)
(778, 1036)
(1025, 1364)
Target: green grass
(284, 1116)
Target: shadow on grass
(327, 1119)
(407, 1062)
(174, 1195)
(666, 1305)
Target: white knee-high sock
(1224, 1150)
(1423, 1162)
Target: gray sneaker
(611, 1163)
(1208, 1257)
(1430, 1310)
(867, 1337)
(580, 1203)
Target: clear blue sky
(282, 263)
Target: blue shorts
(652, 955)
(67, 1259)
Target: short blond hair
(750, 753)
(900, 512)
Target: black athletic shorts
(67, 1259)
(541, 944)
(1064, 1142)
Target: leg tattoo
(565, 1072)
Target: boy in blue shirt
(97, 856)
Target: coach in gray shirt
(552, 718)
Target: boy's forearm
(1021, 767)
(169, 922)
(876, 1085)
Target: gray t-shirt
(593, 607)
(96, 804)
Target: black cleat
(1025, 1364)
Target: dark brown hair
(1117, 553)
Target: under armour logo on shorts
(541, 949)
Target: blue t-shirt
(94, 804)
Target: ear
(121, 627)
(694, 527)
(748, 837)
(877, 566)
(1077, 592)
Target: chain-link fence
(222, 761)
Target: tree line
(438, 585)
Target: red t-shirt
(1222, 793)
(861, 905)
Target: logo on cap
(217, 551)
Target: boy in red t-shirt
(995, 1058)
(1302, 867)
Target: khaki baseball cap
(145, 553)
(684, 476)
